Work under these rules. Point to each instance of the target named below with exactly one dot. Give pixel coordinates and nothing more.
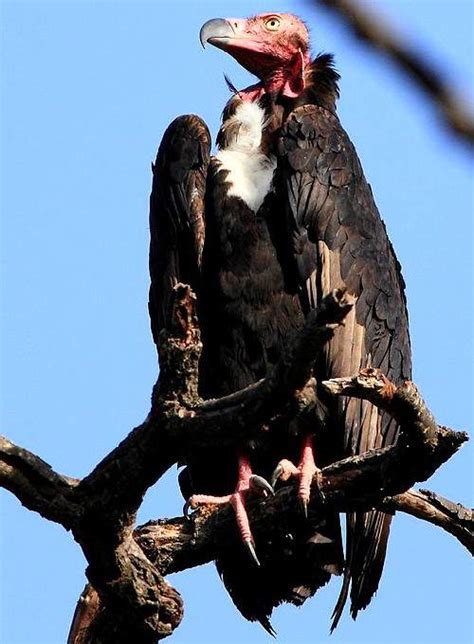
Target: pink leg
(247, 482)
(305, 472)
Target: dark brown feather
(177, 213)
(354, 251)
(258, 275)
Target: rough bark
(128, 598)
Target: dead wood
(128, 598)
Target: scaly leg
(246, 483)
(304, 472)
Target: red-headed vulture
(262, 231)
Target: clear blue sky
(87, 91)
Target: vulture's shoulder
(331, 207)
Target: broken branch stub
(127, 568)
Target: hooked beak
(233, 37)
(217, 32)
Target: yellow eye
(273, 23)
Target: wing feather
(330, 207)
(177, 213)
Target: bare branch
(35, 484)
(429, 444)
(179, 420)
(174, 545)
(380, 36)
(126, 570)
(180, 350)
(101, 508)
(177, 544)
(377, 479)
(426, 505)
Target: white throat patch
(250, 172)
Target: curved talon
(251, 548)
(284, 471)
(246, 481)
(304, 507)
(259, 484)
(277, 472)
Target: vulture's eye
(273, 23)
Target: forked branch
(127, 568)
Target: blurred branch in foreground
(380, 36)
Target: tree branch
(174, 545)
(127, 569)
(377, 478)
(428, 444)
(101, 508)
(380, 36)
(178, 544)
(35, 484)
(179, 421)
(428, 506)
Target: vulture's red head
(273, 46)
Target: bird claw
(260, 485)
(277, 472)
(237, 501)
(305, 473)
(246, 483)
(315, 482)
(304, 507)
(251, 549)
(284, 471)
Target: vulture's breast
(248, 313)
(249, 170)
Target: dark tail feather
(341, 601)
(265, 622)
(366, 580)
(291, 570)
(367, 538)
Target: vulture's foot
(247, 484)
(306, 472)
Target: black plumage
(257, 275)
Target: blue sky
(87, 91)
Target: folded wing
(177, 213)
(337, 238)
